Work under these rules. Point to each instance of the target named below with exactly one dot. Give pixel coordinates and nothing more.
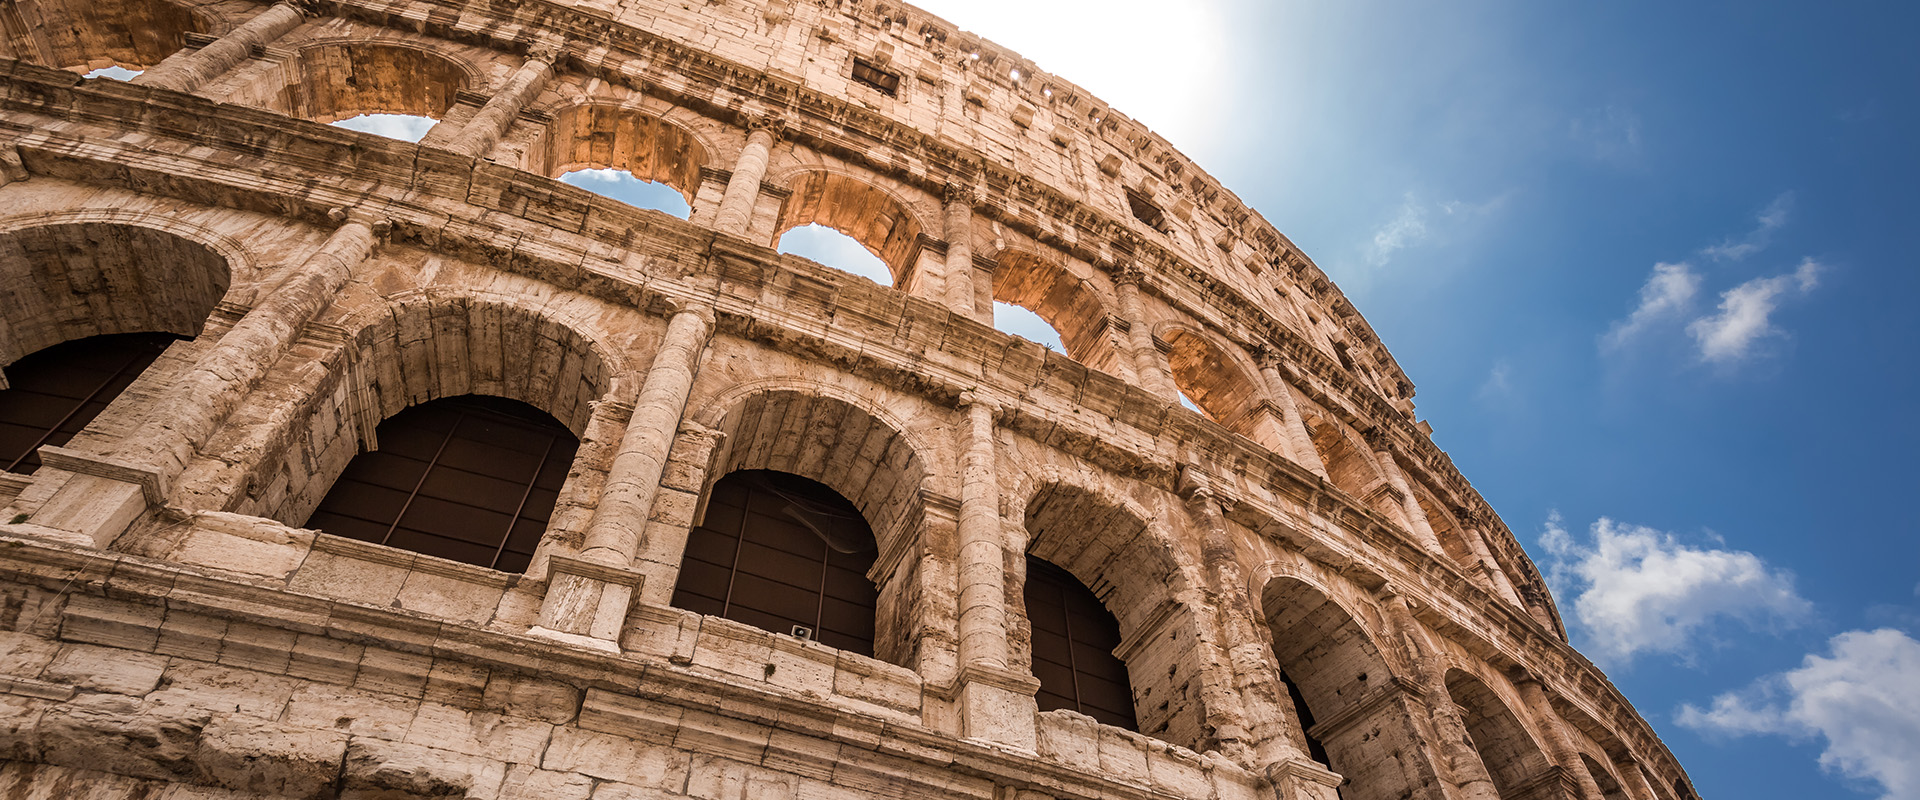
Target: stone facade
(166, 630)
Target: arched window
(871, 217)
(625, 154)
(1073, 641)
(786, 554)
(54, 393)
(89, 35)
(470, 478)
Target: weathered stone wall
(170, 632)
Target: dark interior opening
(1073, 641)
(887, 82)
(55, 392)
(786, 554)
(470, 478)
(1145, 211)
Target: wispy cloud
(1640, 590)
(1499, 382)
(1863, 698)
(1611, 133)
(1745, 314)
(1407, 228)
(1770, 219)
(1667, 294)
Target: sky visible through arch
(1648, 266)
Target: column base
(1299, 779)
(100, 500)
(587, 599)
(997, 707)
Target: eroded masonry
(341, 466)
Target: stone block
(374, 769)
(616, 758)
(270, 758)
(106, 669)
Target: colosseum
(345, 466)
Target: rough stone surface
(167, 630)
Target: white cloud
(1640, 590)
(404, 127)
(1407, 228)
(1771, 219)
(1745, 311)
(1499, 382)
(1864, 699)
(1667, 293)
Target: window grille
(786, 554)
(1073, 641)
(469, 478)
(55, 392)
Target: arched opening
(1073, 642)
(636, 158)
(1216, 384)
(349, 82)
(471, 479)
(1610, 788)
(71, 281)
(1017, 320)
(838, 460)
(411, 354)
(1511, 756)
(1029, 289)
(52, 394)
(785, 554)
(89, 35)
(832, 248)
(1108, 551)
(867, 215)
(1352, 712)
(1351, 470)
(1453, 539)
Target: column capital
(1378, 439)
(307, 8)
(974, 397)
(956, 192)
(547, 49)
(1129, 273)
(772, 124)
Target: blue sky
(1647, 264)
(1714, 457)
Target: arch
(872, 216)
(1067, 303)
(1513, 758)
(85, 35)
(786, 554)
(336, 80)
(73, 280)
(855, 451)
(1453, 537)
(1349, 466)
(1073, 640)
(470, 478)
(1610, 788)
(425, 346)
(1219, 380)
(1350, 705)
(1112, 550)
(603, 136)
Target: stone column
(996, 705)
(1148, 363)
(481, 133)
(1300, 440)
(743, 187)
(1268, 723)
(1416, 516)
(1559, 743)
(588, 595)
(1634, 779)
(186, 71)
(1465, 767)
(960, 291)
(155, 454)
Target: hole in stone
(835, 249)
(1192, 406)
(405, 127)
(621, 185)
(115, 73)
(1010, 318)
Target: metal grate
(1073, 641)
(469, 478)
(785, 554)
(55, 392)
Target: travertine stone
(169, 630)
